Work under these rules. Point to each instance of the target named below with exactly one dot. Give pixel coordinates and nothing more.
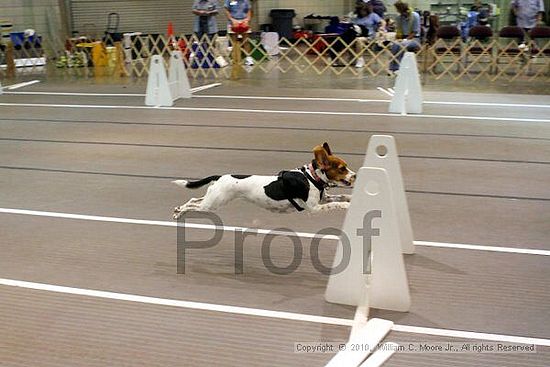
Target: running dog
(298, 189)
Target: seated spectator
(407, 26)
(377, 6)
(365, 25)
(471, 22)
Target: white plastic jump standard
(1, 89)
(162, 91)
(370, 335)
(408, 91)
(177, 77)
(382, 153)
(371, 225)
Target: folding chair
(540, 49)
(448, 45)
(509, 49)
(480, 46)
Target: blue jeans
(398, 50)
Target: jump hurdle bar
(163, 90)
(379, 231)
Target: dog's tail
(196, 184)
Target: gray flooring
(468, 181)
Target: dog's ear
(321, 156)
(327, 148)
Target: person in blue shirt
(205, 17)
(377, 6)
(471, 22)
(365, 25)
(370, 23)
(407, 26)
(239, 11)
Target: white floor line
(383, 90)
(265, 313)
(290, 112)
(20, 85)
(205, 87)
(193, 90)
(320, 99)
(96, 218)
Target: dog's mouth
(347, 183)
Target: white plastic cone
(371, 225)
(382, 153)
(158, 91)
(408, 91)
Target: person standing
(239, 13)
(528, 13)
(205, 17)
(407, 26)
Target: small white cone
(371, 226)
(408, 90)
(177, 77)
(158, 91)
(382, 153)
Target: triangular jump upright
(382, 153)
(372, 247)
(408, 91)
(177, 77)
(158, 91)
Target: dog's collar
(309, 171)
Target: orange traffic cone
(171, 39)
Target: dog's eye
(342, 169)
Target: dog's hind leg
(218, 194)
(192, 204)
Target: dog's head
(334, 169)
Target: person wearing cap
(407, 26)
(239, 13)
(528, 13)
(205, 17)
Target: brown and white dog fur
(325, 170)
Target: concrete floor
(473, 174)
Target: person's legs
(397, 53)
(398, 50)
(247, 48)
(360, 46)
